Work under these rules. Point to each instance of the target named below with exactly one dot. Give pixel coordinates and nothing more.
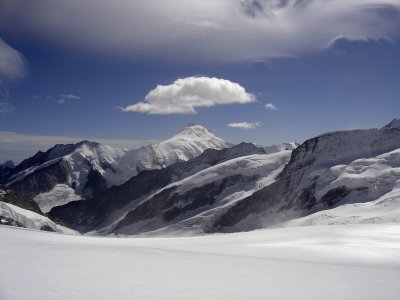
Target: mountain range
(196, 183)
(72, 172)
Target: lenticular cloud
(186, 94)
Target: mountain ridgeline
(91, 213)
(326, 171)
(73, 172)
(196, 183)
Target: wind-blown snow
(61, 194)
(317, 262)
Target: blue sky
(68, 66)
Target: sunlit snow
(315, 262)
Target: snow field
(316, 262)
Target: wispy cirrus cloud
(176, 31)
(186, 94)
(6, 107)
(245, 125)
(59, 99)
(67, 97)
(12, 63)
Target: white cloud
(271, 106)
(198, 30)
(6, 107)
(12, 65)
(245, 125)
(17, 147)
(186, 94)
(67, 97)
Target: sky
(129, 73)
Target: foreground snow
(316, 262)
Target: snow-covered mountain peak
(87, 143)
(194, 131)
(61, 150)
(394, 124)
(186, 144)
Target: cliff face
(331, 169)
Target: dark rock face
(37, 159)
(260, 201)
(47, 228)
(42, 180)
(9, 196)
(9, 164)
(9, 222)
(334, 196)
(95, 185)
(169, 205)
(44, 170)
(87, 214)
(6, 170)
(295, 189)
(5, 173)
(58, 151)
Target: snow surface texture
(117, 165)
(29, 219)
(318, 262)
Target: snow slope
(232, 180)
(316, 262)
(386, 209)
(115, 202)
(369, 192)
(338, 168)
(28, 219)
(187, 144)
